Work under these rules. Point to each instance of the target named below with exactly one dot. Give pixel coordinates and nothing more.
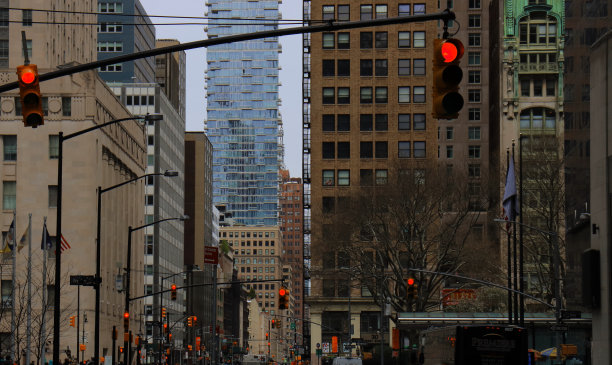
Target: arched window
(538, 29)
(538, 118)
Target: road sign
(211, 255)
(319, 352)
(293, 325)
(559, 328)
(570, 314)
(84, 280)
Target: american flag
(64, 244)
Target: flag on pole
(46, 243)
(7, 244)
(510, 202)
(64, 244)
(24, 239)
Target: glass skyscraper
(244, 124)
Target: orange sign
(334, 344)
(453, 296)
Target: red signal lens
(282, 292)
(449, 52)
(173, 287)
(411, 281)
(126, 315)
(28, 77)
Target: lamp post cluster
(98, 280)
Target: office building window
(380, 39)
(26, 17)
(54, 146)
(536, 29)
(474, 58)
(381, 67)
(110, 7)
(381, 95)
(365, 122)
(474, 77)
(418, 9)
(382, 122)
(403, 94)
(403, 67)
(403, 9)
(344, 40)
(66, 106)
(449, 151)
(9, 147)
(450, 133)
(474, 171)
(473, 151)
(328, 178)
(474, 114)
(474, 39)
(365, 40)
(365, 67)
(366, 178)
(403, 149)
(365, 150)
(474, 21)
(329, 40)
(365, 12)
(343, 13)
(473, 133)
(381, 11)
(419, 39)
(117, 67)
(329, 150)
(344, 67)
(344, 150)
(344, 96)
(381, 150)
(474, 95)
(9, 195)
(419, 149)
(344, 122)
(403, 39)
(381, 177)
(474, 4)
(329, 123)
(329, 95)
(52, 196)
(418, 66)
(110, 28)
(328, 12)
(344, 177)
(365, 95)
(329, 68)
(403, 122)
(4, 17)
(419, 94)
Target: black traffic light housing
(173, 292)
(29, 95)
(283, 298)
(412, 287)
(126, 321)
(447, 74)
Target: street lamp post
(129, 268)
(58, 229)
(101, 191)
(554, 238)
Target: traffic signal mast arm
(444, 15)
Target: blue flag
(46, 243)
(510, 202)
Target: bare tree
(420, 219)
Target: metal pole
(78, 324)
(555, 241)
(214, 350)
(509, 261)
(58, 255)
(97, 284)
(521, 272)
(29, 325)
(127, 292)
(114, 345)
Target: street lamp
(58, 230)
(129, 268)
(100, 191)
(554, 238)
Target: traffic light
(163, 312)
(446, 73)
(29, 94)
(279, 323)
(126, 321)
(189, 321)
(283, 298)
(273, 323)
(72, 321)
(195, 321)
(267, 335)
(173, 292)
(120, 349)
(165, 327)
(412, 289)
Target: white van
(347, 361)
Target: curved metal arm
(98, 126)
(168, 173)
(183, 218)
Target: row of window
(379, 95)
(111, 46)
(367, 177)
(9, 195)
(473, 133)
(244, 234)
(26, 17)
(369, 40)
(369, 122)
(110, 7)
(248, 243)
(117, 67)
(256, 252)
(379, 149)
(110, 28)
(369, 11)
(9, 147)
(267, 270)
(140, 100)
(376, 67)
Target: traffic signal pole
(330, 26)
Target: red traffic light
(28, 76)
(449, 52)
(282, 292)
(126, 315)
(410, 281)
(173, 292)
(29, 95)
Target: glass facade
(244, 124)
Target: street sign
(559, 328)
(211, 255)
(84, 280)
(293, 326)
(319, 352)
(570, 314)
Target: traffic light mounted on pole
(173, 292)
(412, 289)
(29, 95)
(72, 321)
(126, 321)
(446, 73)
(283, 298)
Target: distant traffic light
(195, 321)
(283, 298)
(72, 321)
(126, 321)
(447, 74)
(163, 312)
(120, 349)
(189, 321)
(29, 95)
(165, 327)
(273, 324)
(412, 289)
(173, 292)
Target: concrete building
(291, 221)
(100, 158)
(600, 60)
(170, 69)
(119, 33)
(362, 88)
(244, 124)
(164, 198)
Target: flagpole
(509, 251)
(29, 326)
(514, 254)
(521, 259)
(13, 325)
